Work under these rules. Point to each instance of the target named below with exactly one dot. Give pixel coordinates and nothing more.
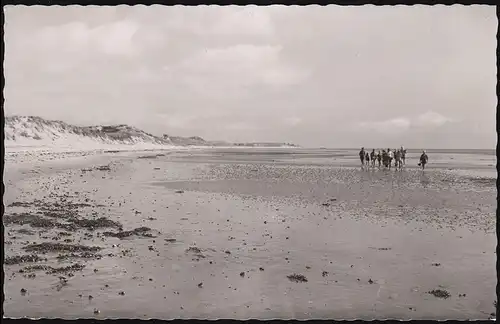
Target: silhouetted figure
(362, 156)
(385, 159)
(391, 157)
(397, 160)
(423, 160)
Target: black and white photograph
(250, 162)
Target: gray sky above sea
(418, 76)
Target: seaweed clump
(297, 278)
(59, 247)
(140, 231)
(22, 259)
(439, 293)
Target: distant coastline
(35, 130)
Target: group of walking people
(387, 157)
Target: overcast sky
(421, 76)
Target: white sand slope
(35, 133)
(29, 138)
(32, 135)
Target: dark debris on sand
(439, 293)
(20, 204)
(67, 269)
(103, 168)
(22, 259)
(99, 168)
(52, 270)
(59, 247)
(25, 231)
(101, 222)
(193, 249)
(32, 268)
(82, 255)
(58, 213)
(62, 206)
(196, 251)
(140, 231)
(483, 181)
(297, 278)
(28, 219)
(61, 210)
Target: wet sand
(238, 235)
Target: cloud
(431, 119)
(77, 38)
(395, 125)
(115, 38)
(292, 121)
(426, 120)
(241, 57)
(243, 21)
(235, 67)
(176, 120)
(214, 21)
(241, 126)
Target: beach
(249, 233)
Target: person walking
(373, 157)
(379, 158)
(385, 158)
(391, 157)
(362, 156)
(367, 159)
(424, 159)
(397, 160)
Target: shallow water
(385, 226)
(438, 159)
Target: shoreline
(367, 265)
